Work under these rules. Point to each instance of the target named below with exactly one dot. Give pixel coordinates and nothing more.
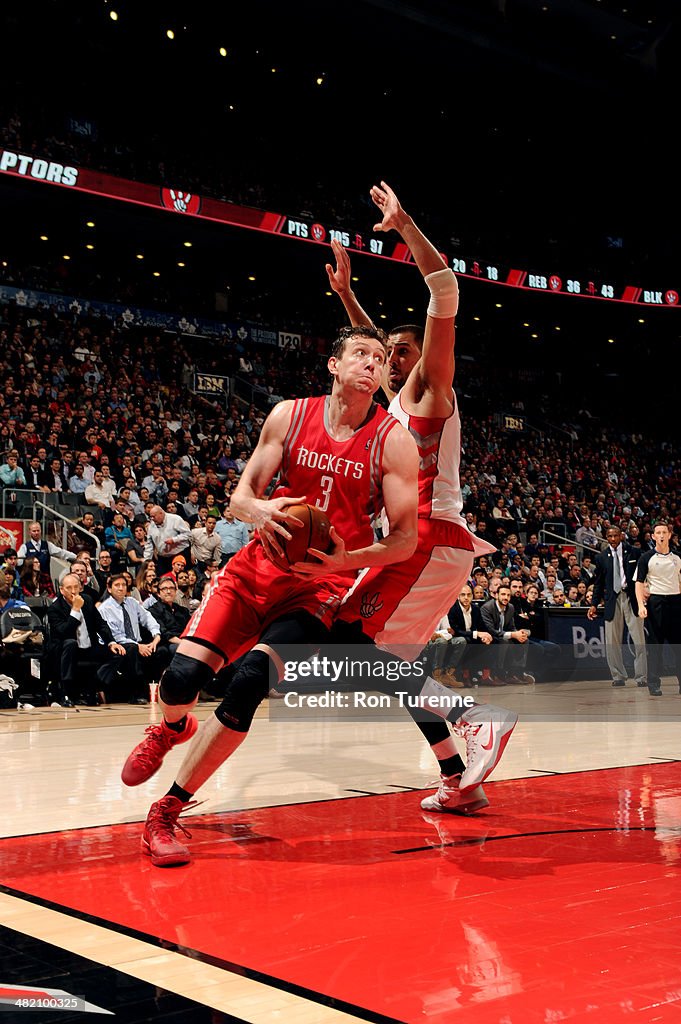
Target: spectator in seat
(95, 533)
(145, 580)
(10, 656)
(117, 537)
(465, 621)
(102, 571)
(98, 493)
(167, 536)
(11, 473)
(77, 482)
(232, 533)
(78, 634)
(143, 661)
(543, 654)
(57, 480)
(206, 544)
(8, 563)
(135, 549)
(34, 582)
(185, 596)
(37, 478)
(171, 616)
(88, 582)
(498, 616)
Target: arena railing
(67, 524)
(543, 533)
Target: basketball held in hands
(314, 533)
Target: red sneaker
(158, 838)
(147, 757)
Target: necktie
(616, 573)
(127, 624)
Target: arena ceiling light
(222, 51)
(43, 238)
(170, 34)
(113, 15)
(187, 245)
(89, 224)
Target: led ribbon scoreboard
(184, 203)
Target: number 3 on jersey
(326, 484)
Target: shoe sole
(169, 861)
(494, 760)
(463, 810)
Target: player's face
(360, 366)
(403, 355)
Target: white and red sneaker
(486, 729)
(448, 798)
(147, 757)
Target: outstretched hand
(339, 277)
(389, 205)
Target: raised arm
(435, 368)
(340, 282)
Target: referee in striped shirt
(658, 591)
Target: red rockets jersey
(342, 478)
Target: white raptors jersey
(438, 439)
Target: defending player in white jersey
(399, 606)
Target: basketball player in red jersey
(399, 606)
(345, 454)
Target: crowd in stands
(101, 421)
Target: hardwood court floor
(321, 892)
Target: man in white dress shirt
(168, 535)
(143, 661)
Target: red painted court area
(560, 902)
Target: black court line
(667, 760)
(474, 840)
(34, 962)
(546, 771)
(226, 965)
(336, 799)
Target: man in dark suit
(614, 583)
(38, 477)
(465, 621)
(498, 618)
(54, 477)
(171, 617)
(78, 634)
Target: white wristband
(444, 294)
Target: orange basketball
(314, 533)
